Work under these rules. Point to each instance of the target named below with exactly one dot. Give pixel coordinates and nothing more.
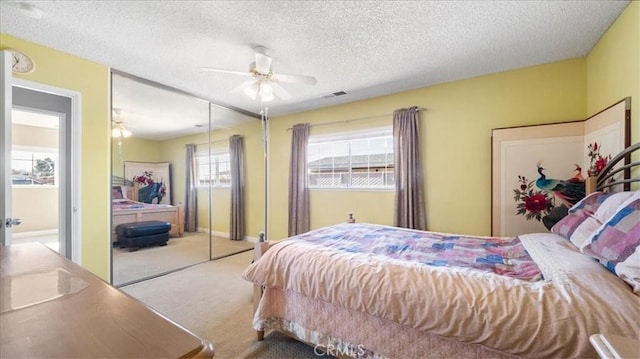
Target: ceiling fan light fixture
(251, 91)
(125, 132)
(115, 132)
(266, 88)
(118, 130)
(266, 92)
(262, 81)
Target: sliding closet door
(172, 162)
(159, 133)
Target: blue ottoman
(143, 234)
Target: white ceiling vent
(335, 94)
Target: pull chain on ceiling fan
(262, 81)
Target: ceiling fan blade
(280, 91)
(263, 63)
(242, 86)
(300, 79)
(225, 71)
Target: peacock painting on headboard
(149, 189)
(151, 180)
(540, 171)
(548, 199)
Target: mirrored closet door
(171, 163)
(236, 181)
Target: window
(34, 166)
(220, 164)
(353, 160)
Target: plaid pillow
(578, 214)
(586, 216)
(617, 243)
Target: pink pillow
(116, 192)
(617, 243)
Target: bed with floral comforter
(379, 291)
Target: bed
(126, 210)
(372, 291)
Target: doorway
(42, 157)
(35, 179)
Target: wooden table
(51, 307)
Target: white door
(5, 148)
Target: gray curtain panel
(298, 187)
(191, 202)
(236, 152)
(409, 211)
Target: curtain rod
(212, 142)
(355, 119)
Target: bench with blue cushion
(142, 234)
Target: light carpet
(180, 252)
(215, 303)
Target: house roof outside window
(379, 160)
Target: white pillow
(629, 270)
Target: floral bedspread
(503, 256)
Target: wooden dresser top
(52, 307)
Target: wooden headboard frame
(631, 171)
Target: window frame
(349, 136)
(53, 151)
(214, 181)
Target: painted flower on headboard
(150, 188)
(146, 178)
(596, 161)
(533, 204)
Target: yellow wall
(91, 80)
(613, 67)
(134, 149)
(456, 141)
(456, 130)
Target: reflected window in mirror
(219, 163)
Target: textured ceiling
(365, 48)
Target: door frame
(73, 160)
(6, 103)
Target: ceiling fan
(262, 81)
